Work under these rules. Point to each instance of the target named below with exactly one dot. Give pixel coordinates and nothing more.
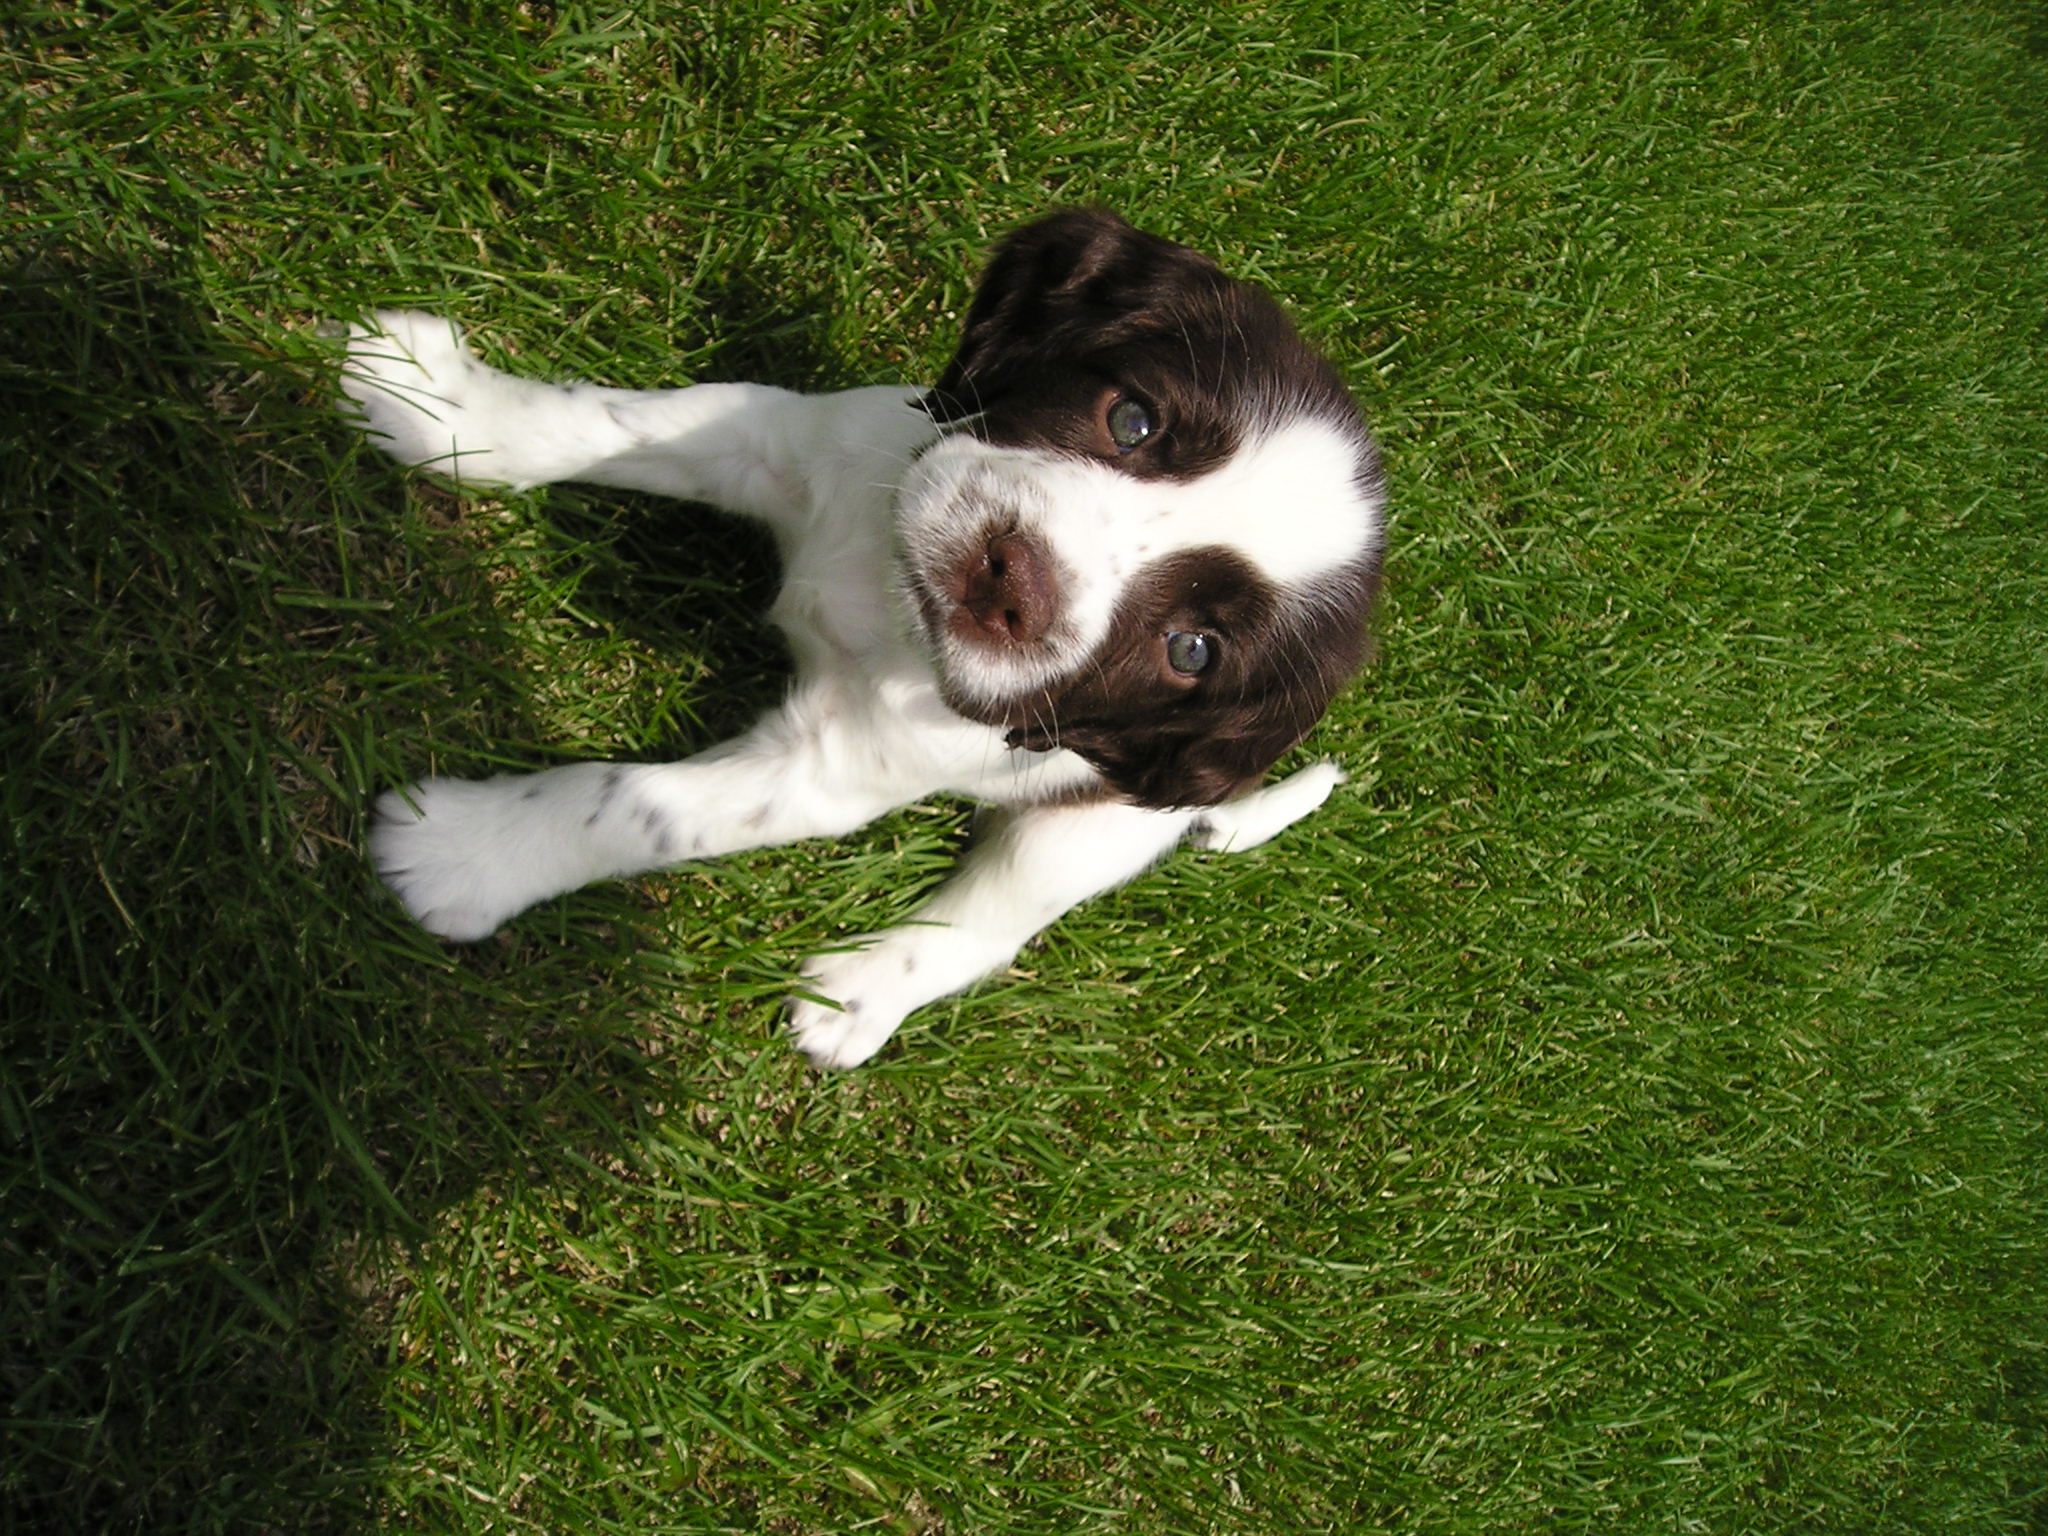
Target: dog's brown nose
(1010, 591)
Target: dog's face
(1151, 531)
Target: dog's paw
(412, 378)
(444, 850)
(874, 990)
(1250, 819)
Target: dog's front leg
(1028, 867)
(1024, 870)
(465, 855)
(431, 402)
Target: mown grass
(1619, 1111)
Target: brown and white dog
(1102, 576)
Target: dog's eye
(1188, 652)
(1129, 423)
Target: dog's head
(1150, 533)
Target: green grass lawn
(1621, 1110)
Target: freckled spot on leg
(755, 818)
(531, 792)
(607, 790)
(909, 965)
(655, 823)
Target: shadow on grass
(233, 1072)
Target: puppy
(1101, 576)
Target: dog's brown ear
(1181, 765)
(1071, 282)
(1203, 746)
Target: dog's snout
(1008, 590)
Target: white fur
(864, 728)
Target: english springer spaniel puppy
(1101, 576)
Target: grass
(1621, 1110)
